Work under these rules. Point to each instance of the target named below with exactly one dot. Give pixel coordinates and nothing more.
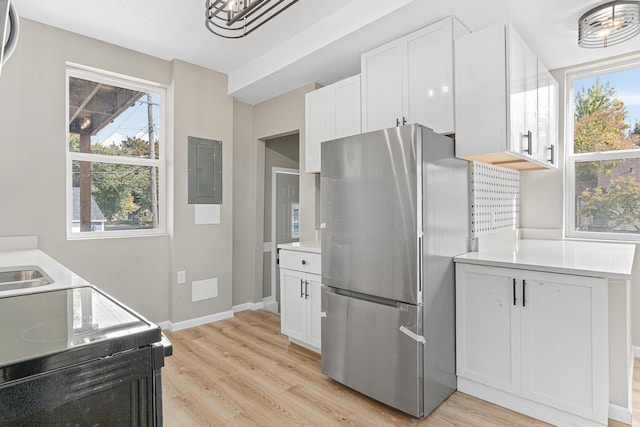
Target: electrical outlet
(182, 277)
(266, 247)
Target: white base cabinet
(534, 342)
(300, 283)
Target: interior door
(285, 215)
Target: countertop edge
(312, 246)
(543, 268)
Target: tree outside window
(115, 156)
(606, 159)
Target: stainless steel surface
(370, 211)
(22, 277)
(9, 28)
(394, 213)
(357, 337)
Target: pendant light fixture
(234, 19)
(609, 24)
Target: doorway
(281, 210)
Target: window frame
(571, 158)
(100, 76)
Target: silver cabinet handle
(306, 289)
(528, 150)
(301, 288)
(553, 152)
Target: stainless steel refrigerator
(394, 212)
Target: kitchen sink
(22, 277)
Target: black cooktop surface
(49, 330)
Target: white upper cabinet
(410, 80)
(508, 116)
(330, 112)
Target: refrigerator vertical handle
(420, 257)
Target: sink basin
(22, 277)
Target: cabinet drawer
(301, 261)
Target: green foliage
(619, 203)
(600, 121)
(119, 190)
(600, 125)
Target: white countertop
(609, 260)
(304, 246)
(19, 252)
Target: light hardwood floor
(243, 372)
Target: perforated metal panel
(495, 199)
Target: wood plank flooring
(243, 372)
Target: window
(115, 156)
(603, 162)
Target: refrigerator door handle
(420, 256)
(413, 335)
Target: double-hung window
(115, 156)
(603, 152)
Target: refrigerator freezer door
(375, 349)
(371, 213)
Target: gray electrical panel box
(205, 171)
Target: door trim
(274, 249)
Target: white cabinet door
(564, 352)
(317, 127)
(523, 95)
(293, 305)
(330, 112)
(428, 91)
(547, 142)
(487, 341)
(382, 72)
(314, 310)
(345, 111)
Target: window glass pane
(111, 120)
(608, 196)
(118, 197)
(607, 112)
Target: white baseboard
(636, 351)
(618, 413)
(253, 306)
(524, 406)
(176, 326)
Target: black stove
(76, 356)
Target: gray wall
(280, 116)
(139, 271)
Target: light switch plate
(182, 277)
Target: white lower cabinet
(534, 342)
(300, 297)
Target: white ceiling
(314, 40)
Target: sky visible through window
(133, 122)
(627, 86)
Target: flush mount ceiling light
(609, 24)
(234, 19)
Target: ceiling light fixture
(609, 24)
(234, 19)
